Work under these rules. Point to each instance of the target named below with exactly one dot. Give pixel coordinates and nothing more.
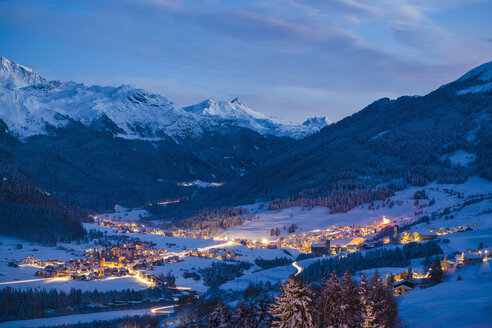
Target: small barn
(403, 287)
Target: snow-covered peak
(13, 75)
(316, 122)
(241, 115)
(225, 110)
(482, 72)
(31, 104)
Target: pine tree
(435, 275)
(390, 280)
(322, 304)
(351, 303)
(240, 318)
(219, 318)
(261, 317)
(335, 312)
(409, 274)
(379, 298)
(367, 311)
(293, 307)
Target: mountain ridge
(31, 104)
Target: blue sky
(289, 58)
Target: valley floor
(452, 303)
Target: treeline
(276, 262)
(353, 262)
(337, 303)
(145, 321)
(211, 220)
(222, 272)
(29, 213)
(340, 200)
(16, 304)
(251, 311)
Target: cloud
(282, 55)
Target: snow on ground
(486, 87)
(308, 220)
(9, 251)
(320, 217)
(173, 244)
(462, 158)
(73, 319)
(65, 284)
(189, 264)
(452, 303)
(200, 184)
(272, 275)
(125, 214)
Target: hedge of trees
(16, 304)
(211, 220)
(221, 272)
(397, 257)
(337, 303)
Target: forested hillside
(29, 213)
(91, 169)
(410, 140)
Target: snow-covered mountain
(480, 79)
(14, 75)
(316, 123)
(243, 116)
(30, 105)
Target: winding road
(298, 267)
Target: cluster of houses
(214, 253)
(447, 231)
(304, 241)
(403, 285)
(357, 243)
(132, 258)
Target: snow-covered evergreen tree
(261, 317)
(409, 274)
(351, 302)
(379, 299)
(368, 312)
(219, 317)
(293, 307)
(240, 318)
(435, 275)
(390, 281)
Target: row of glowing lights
(265, 241)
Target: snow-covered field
(320, 217)
(452, 303)
(73, 319)
(65, 284)
(125, 214)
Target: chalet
(468, 258)
(321, 249)
(403, 287)
(446, 264)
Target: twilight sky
(286, 58)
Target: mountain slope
(243, 116)
(95, 146)
(33, 105)
(28, 212)
(407, 140)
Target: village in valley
(123, 247)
